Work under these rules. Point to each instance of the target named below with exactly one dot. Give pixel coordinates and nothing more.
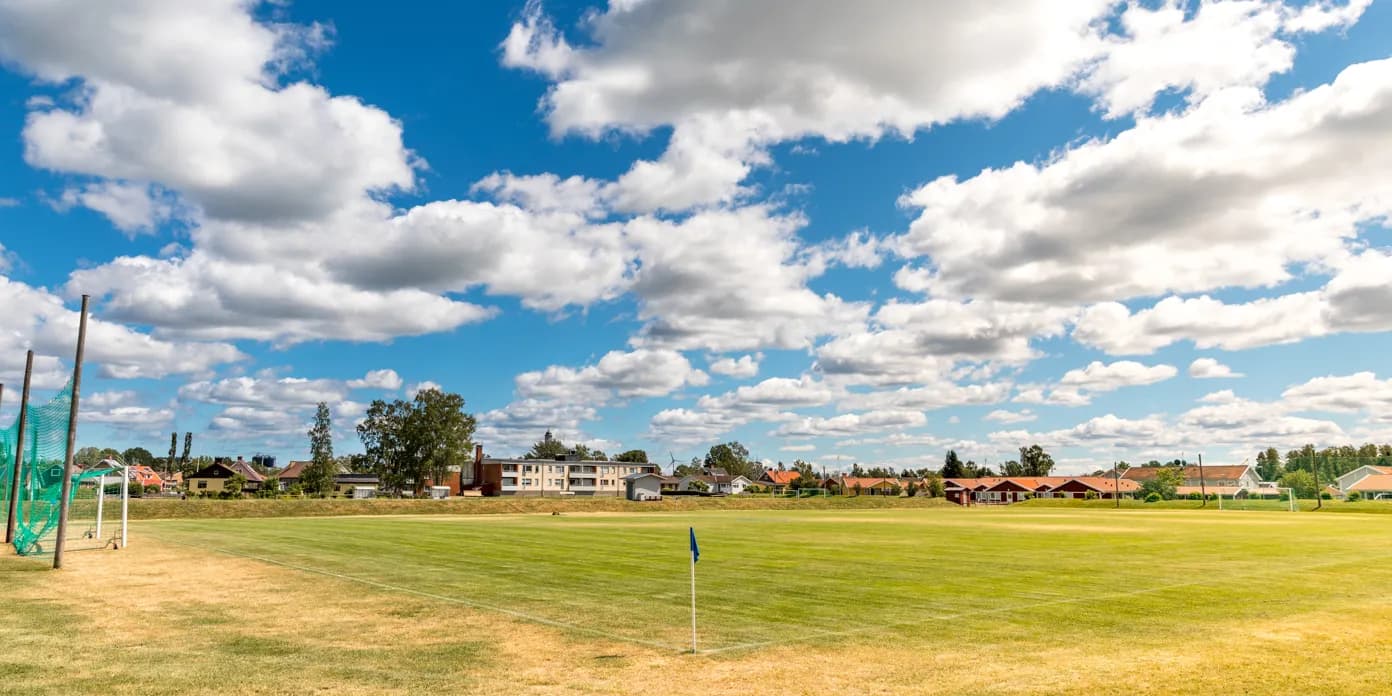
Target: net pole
(101, 498)
(19, 450)
(1203, 490)
(125, 502)
(63, 502)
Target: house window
(510, 467)
(202, 484)
(526, 482)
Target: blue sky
(1120, 231)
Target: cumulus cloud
(1209, 368)
(1217, 45)
(40, 321)
(733, 77)
(1265, 186)
(386, 380)
(743, 367)
(1004, 416)
(851, 424)
(639, 373)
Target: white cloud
(1265, 187)
(130, 207)
(386, 380)
(848, 424)
(1361, 391)
(1217, 45)
(266, 391)
(1209, 368)
(924, 342)
(798, 448)
(40, 321)
(186, 95)
(1003, 416)
(1102, 377)
(732, 77)
(419, 387)
(122, 410)
(6, 202)
(729, 280)
(744, 367)
(640, 373)
(927, 398)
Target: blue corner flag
(695, 550)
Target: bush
(1325, 495)
(1090, 495)
(1354, 497)
(1195, 496)
(1153, 498)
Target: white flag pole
(693, 604)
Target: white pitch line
(821, 633)
(444, 598)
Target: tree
(138, 455)
(636, 456)
(87, 456)
(446, 433)
(952, 466)
(1166, 480)
(1035, 461)
(1268, 467)
(933, 485)
(547, 448)
(317, 477)
(1300, 481)
(807, 476)
(733, 457)
(188, 449)
(410, 441)
(173, 450)
(234, 485)
(1012, 468)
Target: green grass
(173, 508)
(828, 578)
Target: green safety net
(41, 474)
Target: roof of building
(865, 481)
(144, 475)
(245, 469)
(356, 478)
(1216, 473)
(293, 470)
(646, 474)
(782, 478)
(1105, 484)
(1373, 482)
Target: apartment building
(560, 477)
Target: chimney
(478, 468)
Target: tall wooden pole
(1203, 491)
(72, 439)
(1116, 485)
(15, 480)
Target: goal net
(34, 494)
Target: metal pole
(125, 501)
(1203, 492)
(693, 604)
(19, 450)
(72, 439)
(101, 498)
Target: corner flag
(695, 550)
(695, 556)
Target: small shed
(362, 492)
(439, 492)
(643, 486)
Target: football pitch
(1038, 599)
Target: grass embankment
(914, 601)
(172, 508)
(1365, 506)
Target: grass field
(938, 600)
